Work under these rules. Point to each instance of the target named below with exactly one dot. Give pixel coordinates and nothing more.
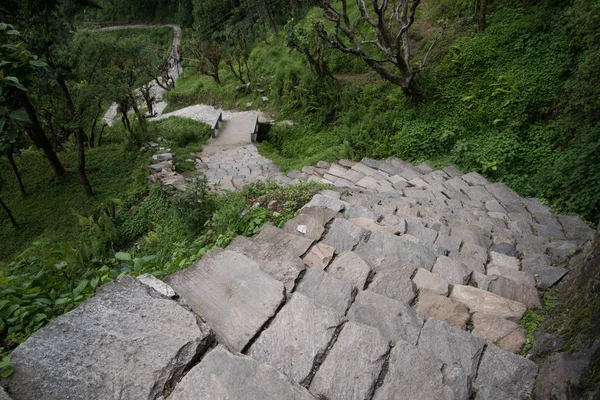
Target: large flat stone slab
(126, 342)
(352, 367)
(319, 256)
(273, 260)
(508, 372)
(306, 226)
(349, 267)
(513, 290)
(325, 289)
(424, 279)
(413, 375)
(299, 333)
(393, 319)
(231, 293)
(488, 303)
(343, 235)
(384, 245)
(223, 375)
(451, 270)
(443, 308)
(294, 244)
(320, 200)
(393, 283)
(451, 345)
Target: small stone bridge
(401, 282)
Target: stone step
(223, 375)
(294, 244)
(129, 341)
(297, 336)
(274, 260)
(230, 292)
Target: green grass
(152, 38)
(49, 212)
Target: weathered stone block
(451, 270)
(488, 303)
(299, 333)
(508, 372)
(231, 293)
(294, 244)
(319, 256)
(393, 283)
(499, 331)
(126, 342)
(352, 367)
(349, 267)
(443, 308)
(222, 375)
(424, 279)
(273, 260)
(305, 226)
(513, 290)
(343, 235)
(393, 319)
(325, 289)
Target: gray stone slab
(493, 393)
(343, 235)
(425, 235)
(320, 200)
(231, 293)
(424, 279)
(452, 271)
(383, 245)
(560, 251)
(503, 193)
(453, 171)
(349, 267)
(448, 242)
(508, 372)
(488, 303)
(513, 290)
(3, 395)
(393, 283)
(478, 193)
(472, 263)
(370, 172)
(468, 235)
(274, 260)
(504, 261)
(480, 280)
(576, 229)
(393, 319)
(451, 345)
(505, 248)
(305, 226)
(325, 289)
(477, 252)
(413, 375)
(544, 274)
(371, 225)
(521, 277)
(473, 178)
(299, 333)
(535, 206)
(353, 365)
(126, 342)
(321, 214)
(223, 375)
(344, 173)
(356, 211)
(294, 244)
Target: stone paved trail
(402, 282)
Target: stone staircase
(401, 283)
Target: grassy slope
(496, 103)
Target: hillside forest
(507, 88)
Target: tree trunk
(11, 159)
(85, 183)
(10, 216)
(79, 140)
(100, 135)
(38, 137)
(482, 11)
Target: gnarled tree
(379, 36)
